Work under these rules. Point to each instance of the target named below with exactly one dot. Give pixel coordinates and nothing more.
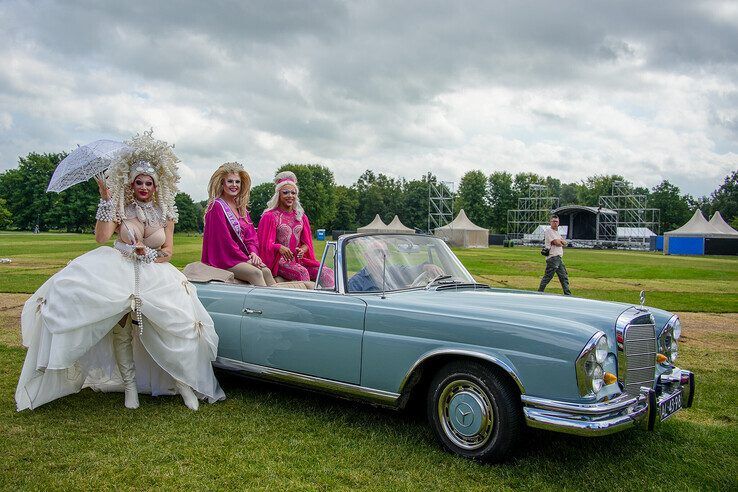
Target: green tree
(260, 195)
(189, 214)
(317, 192)
(6, 218)
(501, 198)
(569, 193)
(596, 186)
(522, 182)
(415, 201)
(347, 202)
(378, 194)
(673, 205)
(553, 185)
(725, 198)
(24, 190)
(472, 197)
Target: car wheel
(475, 412)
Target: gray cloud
(570, 88)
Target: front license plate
(671, 405)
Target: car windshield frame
(439, 248)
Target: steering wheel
(421, 280)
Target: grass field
(269, 437)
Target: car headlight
(601, 349)
(590, 373)
(677, 328)
(668, 345)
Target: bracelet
(105, 211)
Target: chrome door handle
(251, 311)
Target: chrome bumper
(620, 413)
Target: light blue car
(406, 321)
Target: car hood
(569, 317)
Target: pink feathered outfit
(221, 247)
(279, 228)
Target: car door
(310, 332)
(224, 303)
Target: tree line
(24, 203)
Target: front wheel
(474, 411)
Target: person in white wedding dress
(123, 318)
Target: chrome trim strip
(608, 417)
(379, 397)
(328, 245)
(466, 353)
(541, 420)
(615, 405)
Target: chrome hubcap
(466, 414)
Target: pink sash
(233, 221)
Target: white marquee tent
(398, 227)
(462, 232)
(375, 225)
(719, 223)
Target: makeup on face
(287, 196)
(232, 184)
(143, 187)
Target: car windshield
(400, 262)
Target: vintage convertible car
(406, 322)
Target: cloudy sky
(644, 89)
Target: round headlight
(677, 329)
(597, 378)
(674, 350)
(601, 350)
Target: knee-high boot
(189, 397)
(123, 348)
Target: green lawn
(268, 437)
(674, 283)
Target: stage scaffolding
(533, 211)
(632, 213)
(440, 203)
(624, 229)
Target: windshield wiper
(437, 278)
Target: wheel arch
(422, 371)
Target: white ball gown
(67, 323)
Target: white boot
(189, 397)
(123, 348)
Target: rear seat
(200, 272)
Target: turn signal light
(661, 358)
(609, 378)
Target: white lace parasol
(85, 162)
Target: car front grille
(639, 357)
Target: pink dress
(222, 246)
(279, 228)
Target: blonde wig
(149, 154)
(280, 181)
(215, 186)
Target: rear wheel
(474, 411)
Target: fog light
(661, 358)
(609, 378)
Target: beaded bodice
(289, 229)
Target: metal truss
(440, 203)
(631, 211)
(532, 211)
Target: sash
(233, 221)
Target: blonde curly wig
(215, 186)
(158, 153)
